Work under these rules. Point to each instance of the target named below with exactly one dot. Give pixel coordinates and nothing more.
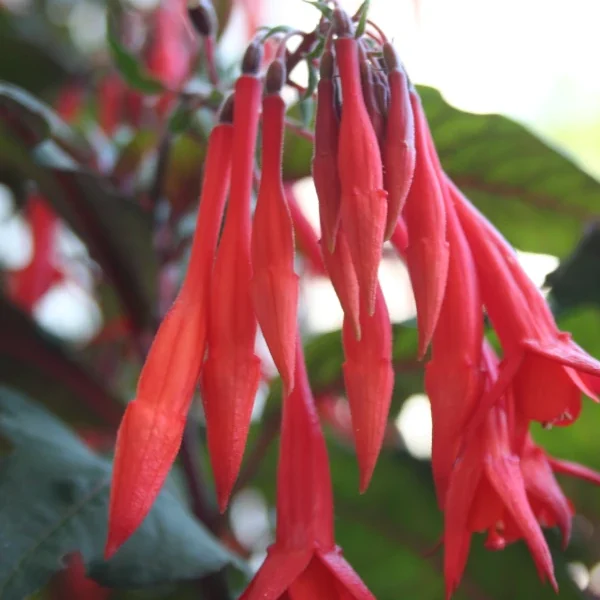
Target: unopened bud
(342, 23)
(391, 58)
(275, 78)
(226, 111)
(203, 16)
(326, 66)
(252, 58)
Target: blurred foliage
(539, 199)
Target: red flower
(543, 364)
(324, 161)
(453, 376)
(399, 153)
(304, 563)
(274, 283)
(232, 370)
(427, 253)
(150, 433)
(487, 491)
(363, 199)
(27, 285)
(369, 380)
(168, 56)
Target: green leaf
(577, 279)
(28, 58)
(29, 120)
(66, 510)
(363, 11)
(538, 198)
(34, 362)
(127, 64)
(297, 150)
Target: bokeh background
(534, 61)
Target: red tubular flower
(543, 364)
(324, 161)
(152, 427)
(427, 254)
(369, 380)
(168, 57)
(304, 562)
(363, 199)
(26, 286)
(399, 153)
(453, 378)
(274, 283)
(232, 371)
(486, 492)
(72, 582)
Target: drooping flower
(168, 55)
(399, 153)
(543, 364)
(427, 254)
(304, 563)
(232, 370)
(152, 427)
(274, 282)
(324, 160)
(487, 492)
(363, 199)
(453, 376)
(369, 379)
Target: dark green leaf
(30, 121)
(538, 198)
(577, 279)
(66, 510)
(28, 58)
(363, 13)
(36, 363)
(127, 64)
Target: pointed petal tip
(111, 548)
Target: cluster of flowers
(378, 177)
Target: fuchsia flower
(304, 563)
(453, 375)
(369, 379)
(274, 283)
(427, 254)
(399, 152)
(152, 427)
(543, 364)
(363, 199)
(324, 161)
(232, 370)
(487, 490)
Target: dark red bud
(226, 110)
(275, 78)
(342, 23)
(326, 67)
(252, 58)
(203, 16)
(391, 58)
